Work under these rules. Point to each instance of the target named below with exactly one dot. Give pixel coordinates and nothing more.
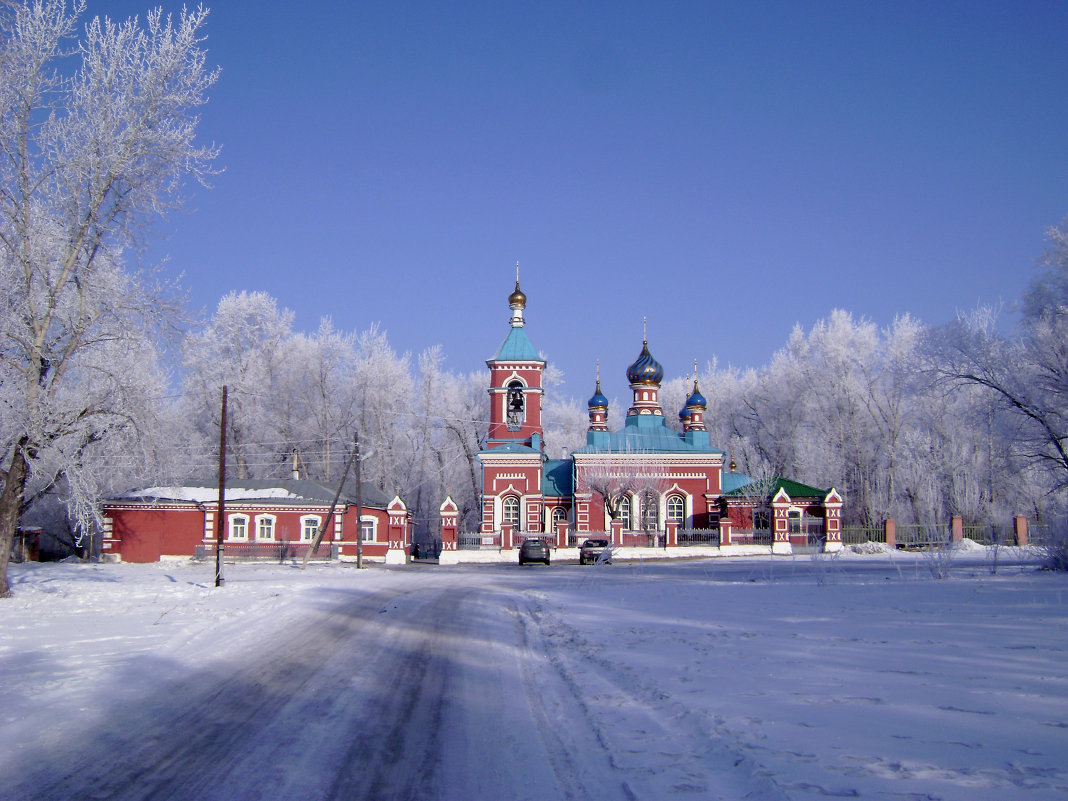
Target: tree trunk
(11, 509)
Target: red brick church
(646, 484)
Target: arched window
(650, 511)
(625, 512)
(559, 515)
(676, 509)
(510, 511)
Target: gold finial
(645, 331)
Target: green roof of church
(517, 347)
(795, 489)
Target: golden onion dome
(517, 298)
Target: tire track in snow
(658, 747)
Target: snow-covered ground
(763, 678)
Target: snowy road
(717, 679)
(441, 690)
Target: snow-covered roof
(288, 491)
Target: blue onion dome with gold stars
(598, 401)
(646, 369)
(696, 399)
(517, 298)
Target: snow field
(858, 676)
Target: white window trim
(667, 508)
(273, 519)
(628, 518)
(231, 519)
(364, 519)
(304, 520)
(519, 511)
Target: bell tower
(515, 384)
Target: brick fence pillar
(1019, 528)
(671, 533)
(890, 529)
(956, 528)
(617, 533)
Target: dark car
(594, 549)
(533, 550)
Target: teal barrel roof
(729, 482)
(558, 478)
(517, 347)
(646, 439)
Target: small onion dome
(646, 369)
(598, 401)
(696, 399)
(684, 414)
(517, 298)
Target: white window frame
(368, 529)
(232, 527)
(272, 524)
(626, 512)
(675, 498)
(504, 511)
(559, 515)
(309, 525)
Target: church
(646, 485)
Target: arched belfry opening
(516, 406)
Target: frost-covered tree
(97, 134)
(1026, 374)
(564, 419)
(244, 347)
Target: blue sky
(725, 170)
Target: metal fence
(698, 536)
(858, 535)
(750, 536)
(923, 535)
(474, 542)
(991, 534)
(268, 551)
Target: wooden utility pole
(322, 526)
(359, 508)
(221, 516)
